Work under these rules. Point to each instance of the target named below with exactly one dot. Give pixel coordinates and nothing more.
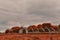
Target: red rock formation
(46, 24)
(45, 27)
(7, 31)
(15, 29)
(39, 26)
(59, 26)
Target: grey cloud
(48, 9)
(27, 12)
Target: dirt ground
(31, 36)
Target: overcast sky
(28, 12)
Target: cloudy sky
(27, 12)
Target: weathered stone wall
(31, 36)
